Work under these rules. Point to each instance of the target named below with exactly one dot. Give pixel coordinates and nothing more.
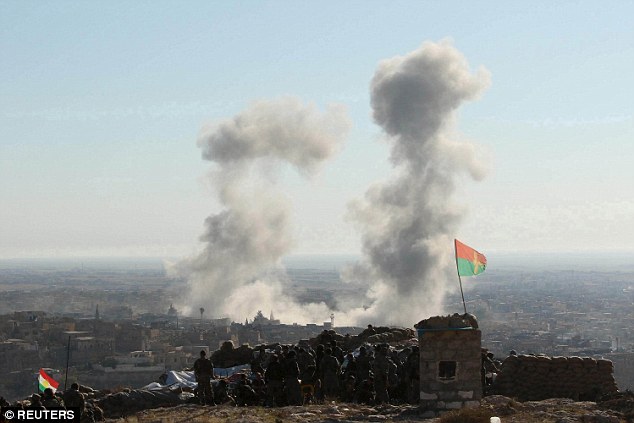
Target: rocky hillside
(619, 409)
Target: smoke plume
(253, 231)
(409, 221)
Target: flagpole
(67, 360)
(455, 246)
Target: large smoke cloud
(253, 232)
(409, 221)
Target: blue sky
(101, 104)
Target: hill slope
(549, 411)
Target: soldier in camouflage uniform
(50, 400)
(330, 374)
(274, 377)
(412, 375)
(381, 368)
(291, 380)
(204, 371)
(364, 365)
(74, 398)
(304, 359)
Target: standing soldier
(49, 399)
(304, 359)
(319, 355)
(488, 369)
(74, 398)
(412, 371)
(350, 367)
(257, 360)
(364, 365)
(36, 402)
(392, 378)
(204, 372)
(381, 368)
(330, 374)
(337, 352)
(291, 380)
(274, 378)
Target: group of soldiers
(54, 400)
(296, 375)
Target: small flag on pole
(47, 382)
(469, 261)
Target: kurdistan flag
(46, 381)
(468, 260)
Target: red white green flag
(46, 381)
(469, 261)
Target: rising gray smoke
(408, 222)
(253, 231)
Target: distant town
(116, 324)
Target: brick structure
(450, 363)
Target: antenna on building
(332, 320)
(271, 318)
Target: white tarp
(182, 378)
(186, 378)
(231, 370)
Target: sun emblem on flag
(477, 263)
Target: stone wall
(534, 378)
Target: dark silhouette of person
(204, 372)
(74, 398)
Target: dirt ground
(508, 410)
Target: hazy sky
(102, 103)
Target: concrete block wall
(461, 346)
